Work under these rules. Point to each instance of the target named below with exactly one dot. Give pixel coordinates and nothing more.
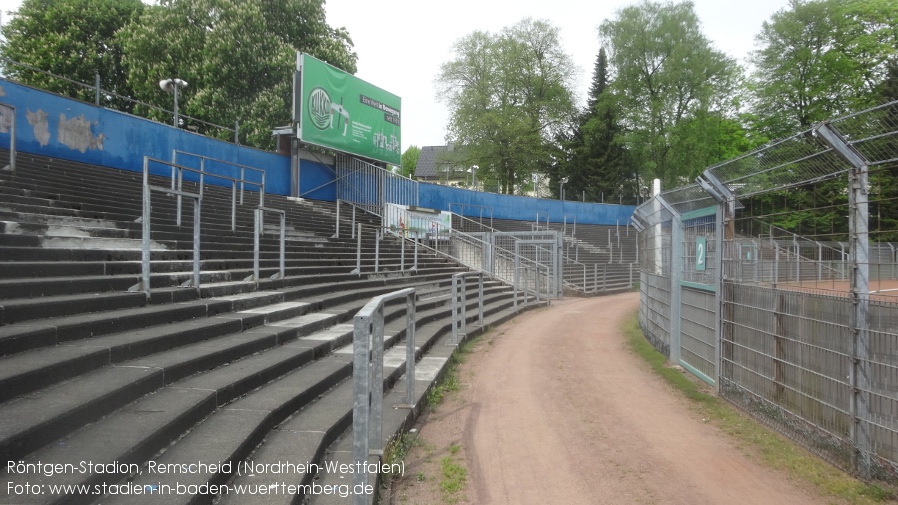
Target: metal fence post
(464, 306)
(410, 350)
(283, 244)
(145, 243)
(377, 386)
(360, 401)
(377, 235)
(402, 253)
(337, 224)
(455, 309)
(859, 246)
(480, 299)
(358, 251)
(257, 224)
(197, 206)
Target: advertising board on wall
(342, 112)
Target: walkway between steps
(557, 409)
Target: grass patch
(776, 451)
(450, 381)
(396, 452)
(453, 480)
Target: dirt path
(556, 409)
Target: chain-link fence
(774, 278)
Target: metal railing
(12, 134)
(177, 181)
(368, 379)
(259, 224)
(528, 276)
(144, 284)
(371, 187)
(458, 280)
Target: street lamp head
(170, 84)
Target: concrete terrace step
(276, 402)
(66, 296)
(25, 372)
(242, 425)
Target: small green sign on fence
(701, 253)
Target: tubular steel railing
(460, 290)
(177, 181)
(371, 187)
(259, 224)
(144, 284)
(368, 380)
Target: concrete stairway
(90, 372)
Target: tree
(671, 86)
(74, 39)
(595, 160)
(238, 58)
(508, 96)
(820, 59)
(410, 161)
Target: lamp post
(473, 171)
(561, 192)
(172, 85)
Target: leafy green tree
(671, 86)
(509, 94)
(410, 160)
(820, 59)
(238, 58)
(74, 39)
(888, 88)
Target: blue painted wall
(524, 208)
(114, 139)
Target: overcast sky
(402, 43)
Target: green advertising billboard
(344, 113)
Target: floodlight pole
(173, 85)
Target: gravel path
(556, 409)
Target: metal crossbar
(368, 380)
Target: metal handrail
(203, 173)
(144, 284)
(259, 223)
(243, 169)
(367, 406)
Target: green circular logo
(319, 107)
